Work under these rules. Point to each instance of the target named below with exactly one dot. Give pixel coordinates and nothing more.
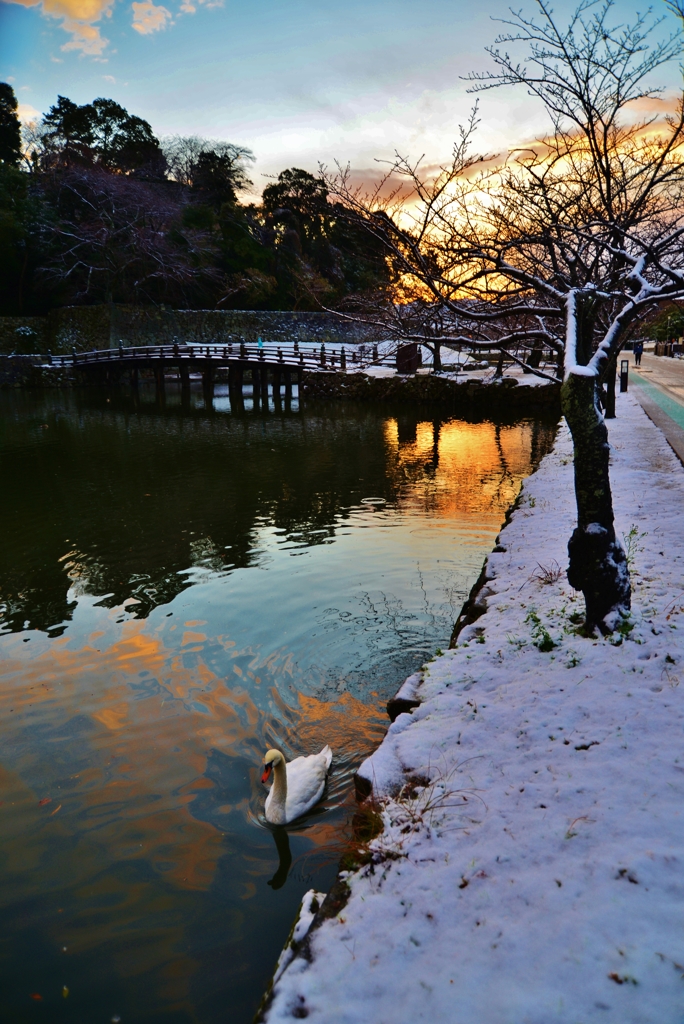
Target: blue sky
(297, 81)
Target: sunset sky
(297, 81)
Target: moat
(181, 587)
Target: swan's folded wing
(305, 784)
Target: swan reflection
(282, 841)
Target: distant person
(638, 352)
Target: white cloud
(109, 78)
(148, 17)
(27, 113)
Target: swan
(297, 786)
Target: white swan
(297, 786)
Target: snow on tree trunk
(598, 564)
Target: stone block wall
(85, 328)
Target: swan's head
(272, 758)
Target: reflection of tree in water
(121, 504)
(139, 499)
(487, 461)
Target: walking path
(659, 387)
(530, 868)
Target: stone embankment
(476, 393)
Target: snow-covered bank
(539, 875)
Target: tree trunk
(436, 357)
(500, 365)
(598, 564)
(611, 374)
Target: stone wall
(85, 328)
(23, 334)
(472, 395)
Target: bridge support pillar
(277, 379)
(235, 375)
(159, 381)
(256, 373)
(134, 378)
(264, 385)
(208, 383)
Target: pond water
(181, 588)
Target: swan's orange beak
(267, 772)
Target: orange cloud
(148, 17)
(77, 17)
(188, 7)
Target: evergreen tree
(102, 133)
(10, 128)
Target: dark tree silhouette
(10, 128)
(102, 133)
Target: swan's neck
(279, 795)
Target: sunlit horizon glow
(297, 84)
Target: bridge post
(256, 372)
(160, 383)
(288, 386)
(277, 377)
(264, 385)
(134, 378)
(208, 383)
(235, 374)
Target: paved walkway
(659, 386)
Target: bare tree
(113, 237)
(183, 152)
(566, 244)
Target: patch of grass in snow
(632, 545)
(546, 574)
(622, 630)
(516, 641)
(541, 638)
(423, 803)
(438, 654)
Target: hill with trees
(95, 208)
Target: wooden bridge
(283, 364)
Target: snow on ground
(540, 877)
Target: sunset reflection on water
(134, 724)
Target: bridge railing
(298, 355)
